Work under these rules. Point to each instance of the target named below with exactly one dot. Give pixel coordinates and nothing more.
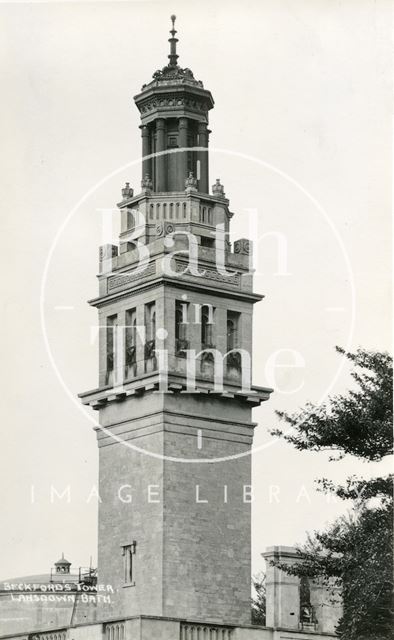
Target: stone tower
(175, 398)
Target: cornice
(179, 284)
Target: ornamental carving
(171, 73)
(146, 183)
(190, 183)
(164, 229)
(173, 102)
(121, 281)
(107, 251)
(210, 274)
(242, 246)
(218, 189)
(127, 191)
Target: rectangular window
(131, 344)
(172, 142)
(128, 551)
(208, 242)
(110, 348)
(181, 315)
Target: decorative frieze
(122, 280)
(51, 635)
(210, 274)
(173, 102)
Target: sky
(301, 139)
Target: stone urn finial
(191, 183)
(146, 183)
(218, 189)
(127, 191)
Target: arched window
(181, 342)
(131, 216)
(110, 348)
(207, 364)
(206, 326)
(232, 330)
(131, 344)
(231, 342)
(150, 337)
(152, 324)
(233, 356)
(184, 209)
(180, 320)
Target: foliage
(259, 599)
(355, 552)
(358, 423)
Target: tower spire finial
(173, 40)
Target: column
(161, 161)
(146, 150)
(202, 157)
(183, 173)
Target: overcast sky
(301, 133)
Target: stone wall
(207, 544)
(283, 596)
(193, 535)
(145, 628)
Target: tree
(358, 423)
(355, 552)
(259, 599)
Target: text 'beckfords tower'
(175, 304)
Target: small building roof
(63, 561)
